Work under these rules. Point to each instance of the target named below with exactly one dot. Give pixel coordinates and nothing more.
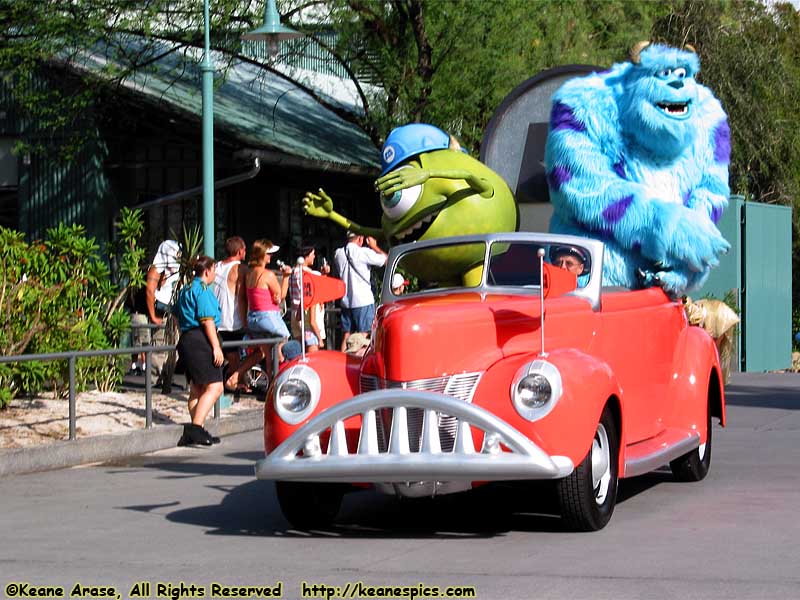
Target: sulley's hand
(318, 205)
(684, 237)
(400, 179)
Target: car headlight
(536, 389)
(297, 393)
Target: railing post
(72, 410)
(148, 391)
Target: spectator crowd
(248, 294)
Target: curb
(102, 448)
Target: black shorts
(197, 357)
(232, 336)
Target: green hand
(401, 179)
(318, 205)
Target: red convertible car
(534, 372)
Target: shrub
(56, 295)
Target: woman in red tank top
(264, 295)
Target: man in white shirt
(231, 293)
(354, 263)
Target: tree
(451, 62)
(448, 62)
(750, 56)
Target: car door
(640, 330)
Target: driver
(571, 258)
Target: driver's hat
(558, 251)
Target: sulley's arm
(713, 157)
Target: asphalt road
(199, 516)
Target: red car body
(630, 383)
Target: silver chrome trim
(458, 385)
(648, 463)
(310, 378)
(590, 291)
(553, 376)
(367, 463)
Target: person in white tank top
(231, 293)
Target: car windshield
(510, 264)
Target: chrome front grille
(460, 386)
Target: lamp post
(272, 31)
(207, 69)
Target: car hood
(433, 336)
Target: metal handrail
(73, 355)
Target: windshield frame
(591, 291)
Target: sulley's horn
(689, 48)
(636, 51)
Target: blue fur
(651, 184)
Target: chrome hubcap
(601, 464)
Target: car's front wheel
(309, 505)
(588, 495)
(694, 465)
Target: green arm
(320, 205)
(400, 179)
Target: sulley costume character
(637, 156)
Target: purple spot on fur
(562, 117)
(619, 169)
(722, 143)
(716, 214)
(558, 177)
(687, 197)
(604, 234)
(616, 211)
(636, 246)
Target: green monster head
(458, 196)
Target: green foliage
(750, 55)
(57, 295)
(451, 62)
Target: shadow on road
(252, 509)
(787, 398)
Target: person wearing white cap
(159, 287)
(399, 284)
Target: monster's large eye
(400, 202)
(663, 73)
(679, 73)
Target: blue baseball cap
(410, 140)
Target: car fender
(696, 379)
(568, 430)
(339, 373)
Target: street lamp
(272, 31)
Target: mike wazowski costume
(637, 156)
(430, 189)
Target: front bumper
(301, 458)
